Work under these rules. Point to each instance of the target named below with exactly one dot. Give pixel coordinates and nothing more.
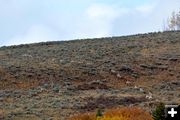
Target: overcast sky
(29, 21)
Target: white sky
(29, 21)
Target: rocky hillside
(53, 80)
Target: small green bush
(159, 112)
(99, 113)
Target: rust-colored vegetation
(125, 113)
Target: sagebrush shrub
(84, 116)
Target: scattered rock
(135, 87)
(141, 90)
(128, 83)
(149, 96)
(113, 71)
(119, 76)
(77, 70)
(27, 55)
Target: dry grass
(85, 116)
(126, 113)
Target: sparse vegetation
(56, 79)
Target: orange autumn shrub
(126, 113)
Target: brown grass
(126, 113)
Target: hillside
(55, 79)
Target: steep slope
(55, 79)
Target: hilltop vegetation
(57, 79)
